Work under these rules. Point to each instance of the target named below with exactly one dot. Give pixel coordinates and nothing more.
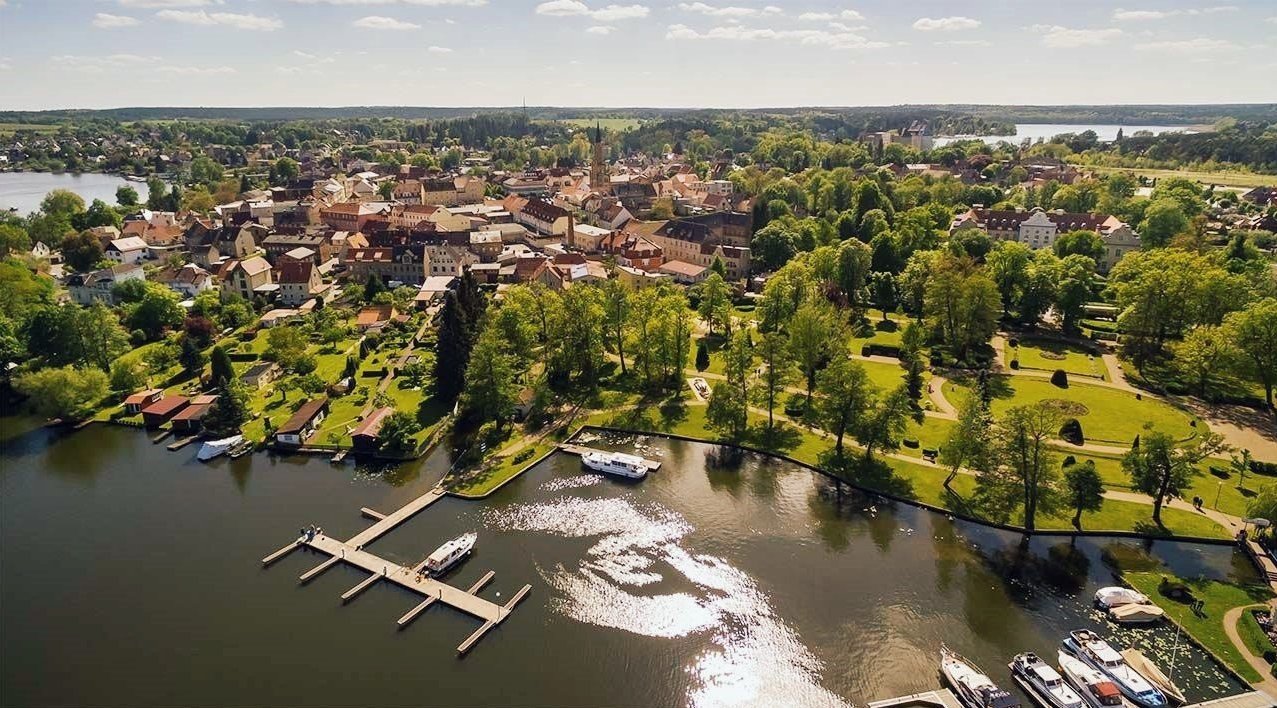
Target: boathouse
(190, 419)
(364, 436)
(161, 411)
(303, 424)
(135, 403)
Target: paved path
(936, 391)
(1228, 521)
(1268, 684)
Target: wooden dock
(182, 442)
(574, 449)
(941, 698)
(410, 578)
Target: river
(1045, 131)
(25, 190)
(131, 576)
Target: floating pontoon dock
(351, 552)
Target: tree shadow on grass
(780, 438)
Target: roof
(254, 265)
(542, 210)
(304, 415)
(128, 243)
(142, 396)
(372, 424)
(296, 271)
(165, 405)
(258, 369)
(690, 270)
(374, 314)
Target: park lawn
(885, 376)
(1208, 627)
(931, 434)
(1117, 515)
(482, 482)
(1049, 355)
(620, 125)
(1231, 500)
(1111, 416)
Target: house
(136, 402)
(1039, 228)
(247, 277)
(523, 406)
(700, 240)
(130, 249)
(451, 191)
(364, 437)
(190, 419)
(633, 250)
(261, 374)
(375, 317)
(160, 411)
(99, 286)
(588, 238)
(278, 245)
(299, 281)
(544, 217)
(233, 242)
(187, 281)
(683, 272)
(445, 259)
(486, 244)
(349, 216)
(434, 289)
(40, 251)
(303, 423)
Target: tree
(884, 423)
(776, 371)
(1025, 433)
(127, 375)
(1254, 332)
(452, 350)
(1075, 289)
(229, 411)
(854, 262)
(285, 344)
(970, 443)
(62, 203)
(13, 240)
(728, 411)
(157, 311)
(191, 356)
(395, 437)
(373, 287)
(715, 303)
(1205, 356)
(221, 367)
(286, 169)
(702, 356)
(911, 359)
(1162, 469)
(963, 304)
(772, 246)
(616, 309)
(205, 170)
(844, 394)
(126, 196)
(491, 390)
(100, 339)
(1264, 504)
(1082, 243)
(65, 392)
(815, 334)
(1163, 220)
(1008, 265)
(82, 251)
(1240, 463)
(1083, 490)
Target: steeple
(599, 180)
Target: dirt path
(1269, 684)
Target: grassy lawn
(1253, 635)
(11, 128)
(1227, 179)
(1208, 627)
(1108, 416)
(484, 481)
(617, 124)
(1049, 355)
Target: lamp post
(1218, 491)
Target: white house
(129, 249)
(99, 286)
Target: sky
(721, 54)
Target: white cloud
(439, 50)
(380, 22)
(600, 29)
(99, 65)
(224, 19)
(821, 38)
(576, 8)
(945, 24)
(162, 4)
(104, 20)
(728, 10)
(420, 3)
(826, 16)
(1064, 38)
(196, 70)
(965, 43)
(1188, 46)
(1138, 15)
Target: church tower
(599, 179)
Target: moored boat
(973, 687)
(1110, 597)
(1136, 614)
(1043, 683)
(1149, 670)
(616, 463)
(216, 448)
(1090, 648)
(1092, 686)
(450, 553)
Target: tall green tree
(65, 392)
(395, 437)
(1025, 433)
(1163, 469)
(1254, 331)
(491, 388)
(844, 395)
(82, 251)
(1083, 490)
(452, 350)
(815, 334)
(777, 367)
(911, 359)
(616, 310)
(970, 443)
(715, 304)
(229, 412)
(885, 421)
(221, 367)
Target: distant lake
(1046, 131)
(25, 190)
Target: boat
(134, 178)
(1136, 614)
(616, 463)
(1149, 670)
(1095, 689)
(216, 448)
(1108, 598)
(972, 686)
(1043, 683)
(243, 448)
(1090, 648)
(450, 553)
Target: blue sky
(727, 53)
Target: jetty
(574, 449)
(941, 698)
(351, 552)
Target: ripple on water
(752, 657)
(559, 484)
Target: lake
(25, 190)
(1046, 131)
(130, 575)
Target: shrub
(1015, 363)
(1071, 431)
(1265, 468)
(1014, 341)
(1069, 461)
(137, 337)
(910, 443)
(1060, 378)
(1219, 472)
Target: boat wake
(752, 657)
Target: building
(452, 191)
(599, 179)
(299, 281)
(700, 240)
(303, 423)
(277, 245)
(248, 277)
(136, 402)
(349, 216)
(190, 420)
(588, 238)
(403, 263)
(188, 281)
(684, 273)
(1038, 228)
(544, 217)
(129, 249)
(260, 375)
(374, 317)
(434, 289)
(445, 259)
(99, 286)
(159, 412)
(364, 437)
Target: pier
(941, 698)
(352, 553)
(573, 449)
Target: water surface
(1045, 131)
(25, 190)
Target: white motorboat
(616, 463)
(1155, 676)
(1043, 683)
(450, 553)
(216, 448)
(973, 687)
(1090, 648)
(1108, 598)
(1136, 614)
(1094, 687)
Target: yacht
(447, 555)
(973, 687)
(616, 463)
(1155, 676)
(1094, 687)
(1090, 648)
(1043, 683)
(1108, 598)
(216, 448)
